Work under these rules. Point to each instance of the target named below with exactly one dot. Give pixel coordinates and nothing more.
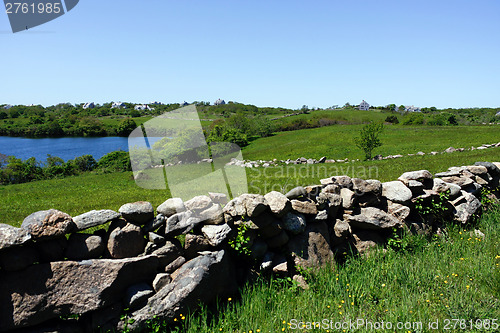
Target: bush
(415, 118)
(368, 138)
(126, 126)
(84, 163)
(115, 161)
(392, 119)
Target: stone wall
(79, 274)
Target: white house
(118, 105)
(156, 103)
(142, 107)
(364, 106)
(219, 102)
(90, 105)
(6, 107)
(411, 108)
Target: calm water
(65, 148)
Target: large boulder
(367, 186)
(198, 203)
(48, 224)
(95, 218)
(140, 212)
(373, 218)
(312, 247)
(47, 291)
(304, 207)
(396, 191)
(466, 206)
(493, 169)
(216, 234)
(278, 202)
(295, 223)
(12, 236)
(255, 204)
(193, 244)
(199, 280)
(126, 241)
(171, 206)
(181, 223)
(85, 246)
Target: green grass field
(336, 141)
(79, 194)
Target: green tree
(368, 138)
(126, 126)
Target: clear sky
(268, 53)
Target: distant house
(184, 103)
(156, 103)
(142, 107)
(411, 108)
(364, 106)
(498, 114)
(6, 107)
(118, 105)
(219, 102)
(90, 105)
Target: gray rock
(193, 244)
(155, 223)
(139, 212)
(278, 202)
(415, 186)
(94, 218)
(450, 150)
(440, 186)
(304, 207)
(366, 186)
(312, 247)
(466, 210)
(493, 169)
(216, 234)
(255, 204)
(174, 265)
(477, 169)
(12, 236)
(343, 181)
(137, 296)
(167, 253)
(125, 242)
(415, 175)
(365, 240)
(235, 208)
(181, 223)
(399, 211)
(171, 206)
(300, 281)
(161, 280)
(155, 238)
(18, 258)
(199, 203)
(218, 198)
(295, 223)
(280, 265)
(373, 218)
(84, 246)
(67, 288)
(296, 192)
(48, 224)
(212, 215)
(322, 159)
(348, 198)
(396, 191)
(327, 181)
(199, 280)
(331, 188)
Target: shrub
(369, 139)
(115, 161)
(392, 119)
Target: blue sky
(268, 53)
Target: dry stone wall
(58, 275)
